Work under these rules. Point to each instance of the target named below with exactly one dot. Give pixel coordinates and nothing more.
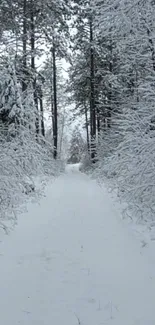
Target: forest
(108, 47)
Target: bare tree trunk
(41, 111)
(52, 112)
(51, 97)
(62, 134)
(33, 65)
(91, 121)
(24, 84)
(98, 121)
(55, 130)
(87, 130)
(110, 89)
(92, 94)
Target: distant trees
(49, 102)
(92, 74)
(82, 72)
(76, 147)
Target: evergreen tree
(11, 109)
(76, 146)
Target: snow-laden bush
(85, 162)
(127, 159)
(24, 154)
(20, 165)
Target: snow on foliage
(126, 149)
(76, 146)
(130, 165)
(24, 155)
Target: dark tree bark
(55, 113)
(51, 90)
(98, 121)
(52, 111)
(24, 84)
(87, 124)
(41, 111)
(110, 87)
(33, 65)
(92, 94)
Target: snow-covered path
(72, 261)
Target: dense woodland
(109, 47)
(112, 81)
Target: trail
(71, 261)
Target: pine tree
(76, 146)
(11, 109)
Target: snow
(71, 260)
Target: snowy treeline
(23, 156)
(110, 47)
(33, 38)
(129, 142)
(113, 81)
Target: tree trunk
(33, 66)
(55, 113)
(52, 112)
(110, 89)
(87, 131)
(41, 112)
(51, 96)
(24, 84)
(98, 121)
(92, 94)
(62, 134)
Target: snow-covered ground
(72, 261)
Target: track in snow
(71, 261)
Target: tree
(83, 41)
(26, 28)
(21, 156)
(125, 151)
(76, 146)
(11, 109)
